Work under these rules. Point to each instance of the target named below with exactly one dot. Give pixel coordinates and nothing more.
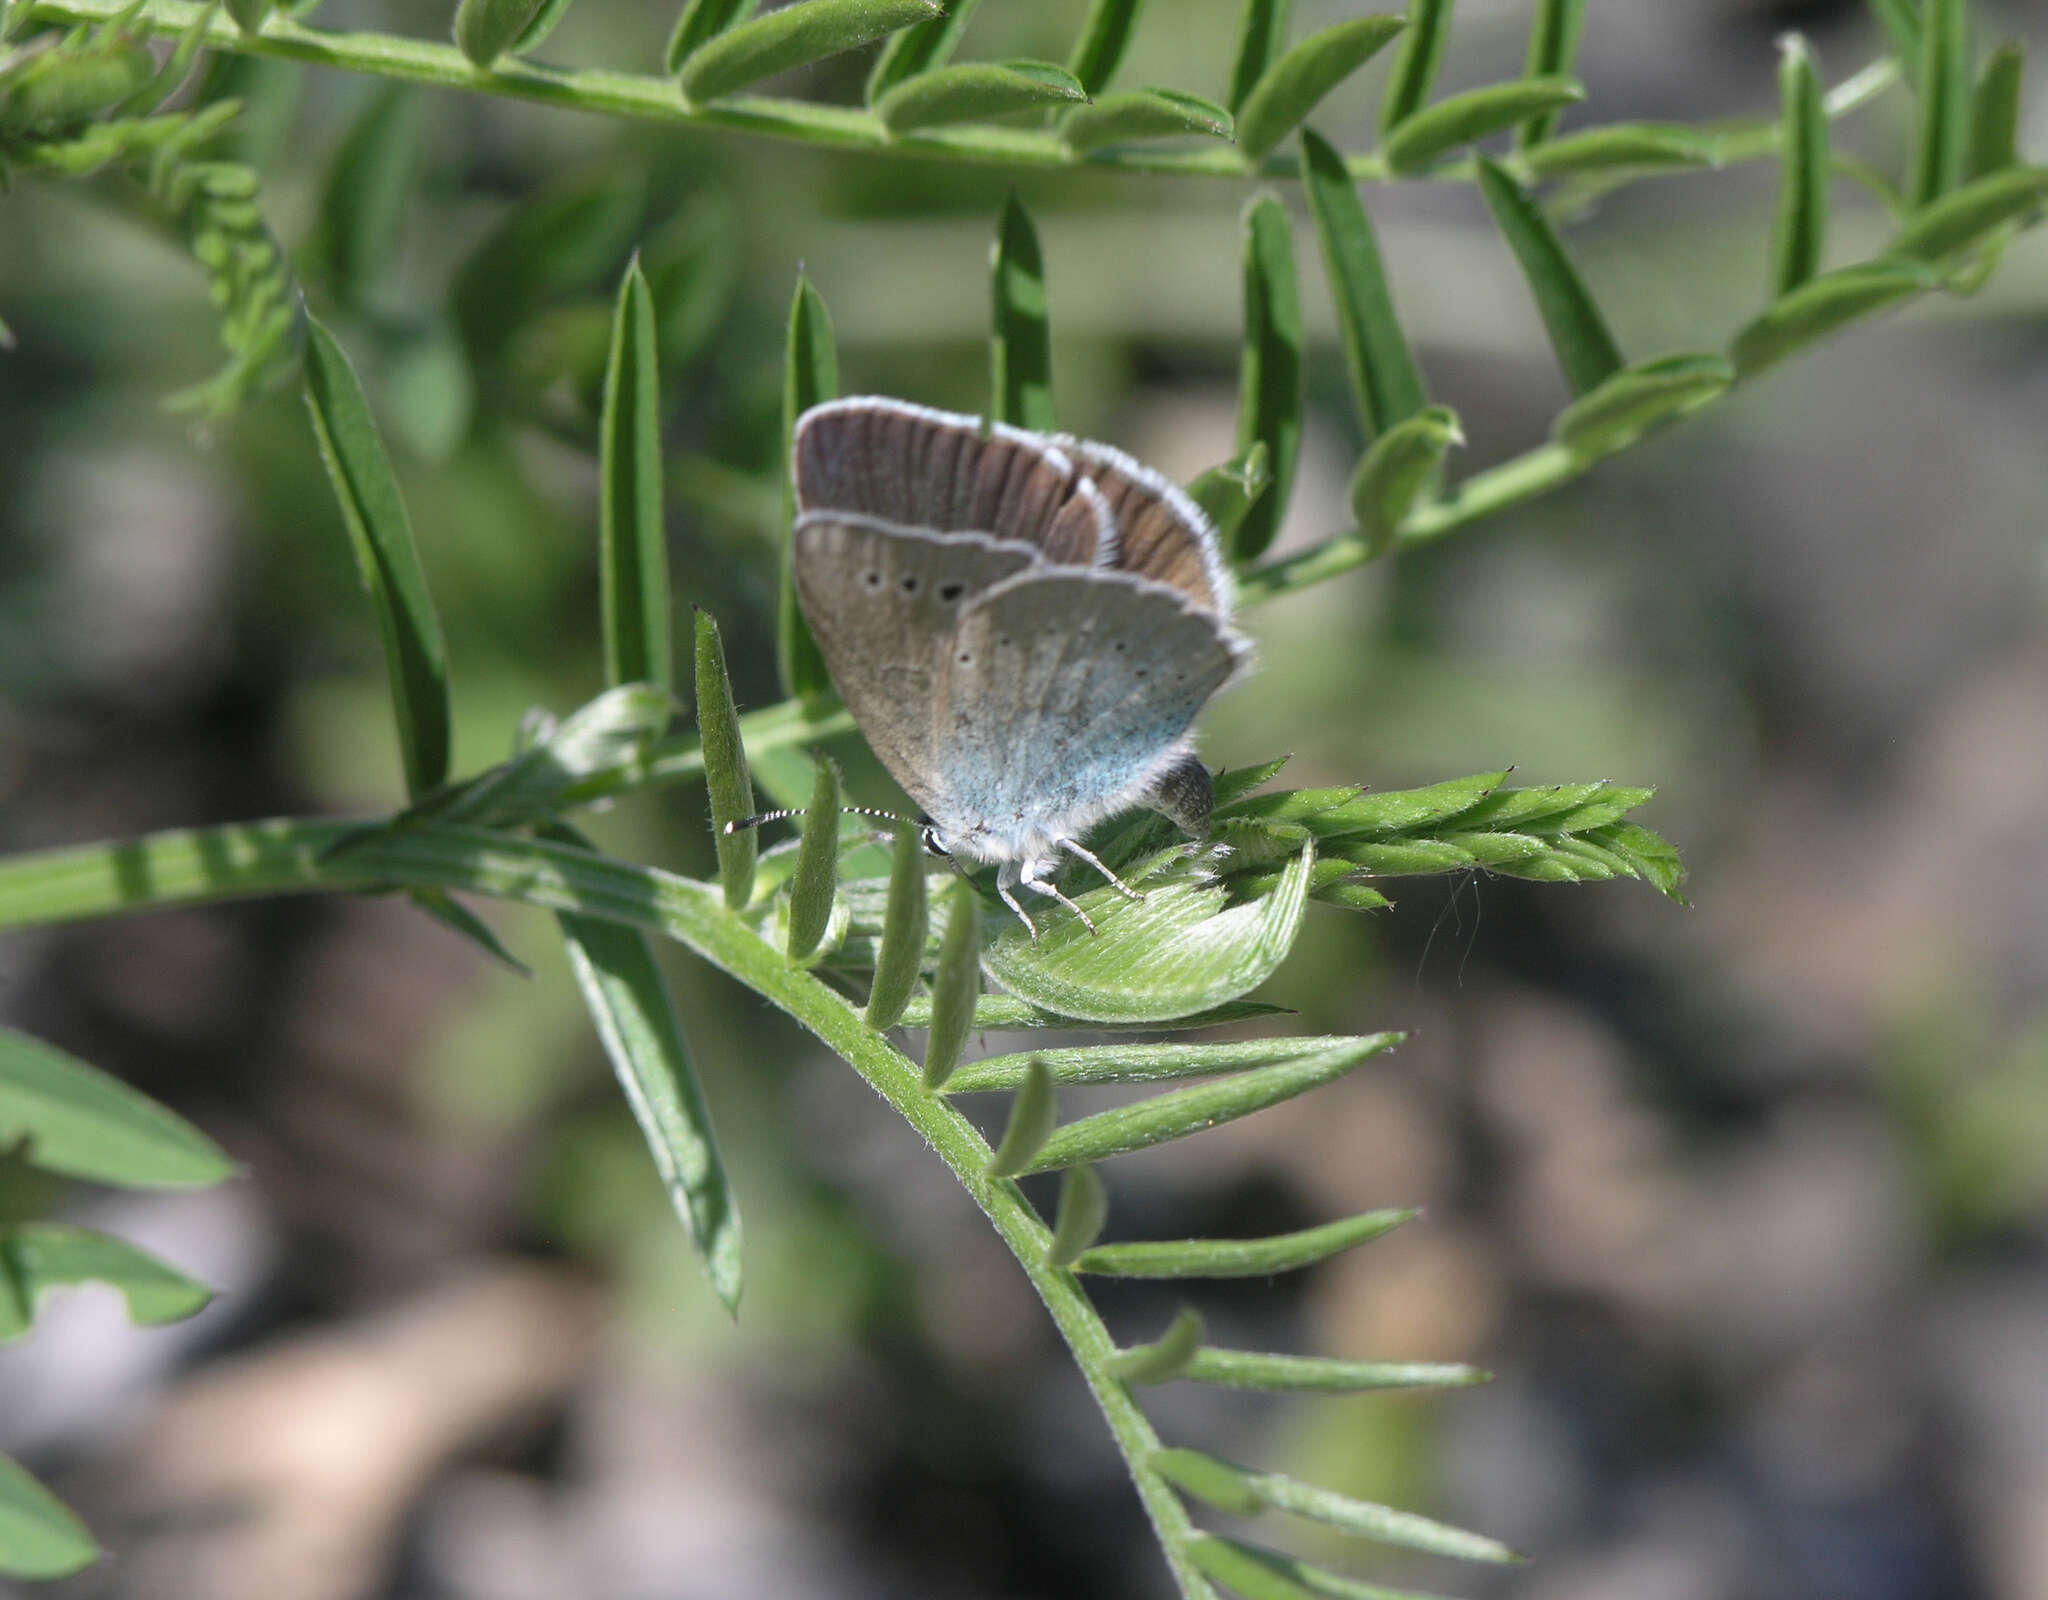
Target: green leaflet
(1995, 113)
(1141, 114)
(1034, 1111)
(956, 983)
(789, 37)
(1415, 68)
(1277, 1374)
(920, 48)
(1176, 952)
(1822, 305)
(1269, 369)
(810, 374)
(74, 1119)
(1248, 1258)
(1396, 810)
(993, 1011)
(1084, 1208)
(636, 1022)
(1100, 48)
(1153, 1063)
(817, 866)
(485, 29)
(1246, 1492)
(386, 559)
(458, 919)
(1179, 1112)
(1968, 216)
(1464, 118)
(1578, 333)
(700, 21)
(633, 562)
(369, 185)
(1396, 471)
(39, 1537)
(905, 927)
(1260, 1574)
(1622, 146)
(1900, 20)
(1227, 492)
(1800, 236)
(725, 766)
(36, 1257)
(249, 15)
(975, 91)
(1020, 338)
(541, 25)
(1553, 50)
(1941, 142)
(1385, 380)
(1261, 35)
(1294, 85)
(1166, 1358)
(1638, 399)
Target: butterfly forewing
(1161, 533)
(919, 468)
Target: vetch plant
(864, 944)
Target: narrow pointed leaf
(1154, 1063)
(1245, 1491)
(1227, 492)
(1464, 118)
(536, 31)
(1258, 1574)
(386, 558)
(1141, 114)
(1179, 1112)
(39, 1537)
(1176, 952)
(369, 186)
(725, 766)
(700, 22)
(1104, 37)
(1995, 113)
(1968, 216)
(249, 15)
(1415, 68)
(1034, 1111)
(1269, 371)
(956, 982)
(1163, 1360)
(486, 29)
(810, 374)
(453, 915)
(1399, 467)
(1801, 235)
(1632, 402)
(36, 1257)
(792, 36)
(1558, 807)
(638, 647)
(1941, 143)
(922, 47)
(636, 1022)
(1007, 1011)
(1385, 380)
(1638, 146)
(1276, 1374)
(817, 866)
(74, 1119)
(1235, 783)
(1261, 36)
(975, 91)
(1395, 811)
(1020, 346)
(1246, 1258)
(1084, 1208)
(1903, 30)
(1824, 305)
(1553, 51)
(1578, 333)
(1295, 84)
(905, 927)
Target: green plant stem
(284, 856)
(650, 98)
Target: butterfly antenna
(741, 824)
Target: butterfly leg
(1006, 882)
(1035, 876)
(1075, 847)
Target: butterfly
(1024, 626)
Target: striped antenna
(741, 823)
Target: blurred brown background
(1747, 1205)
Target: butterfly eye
(932, 842)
